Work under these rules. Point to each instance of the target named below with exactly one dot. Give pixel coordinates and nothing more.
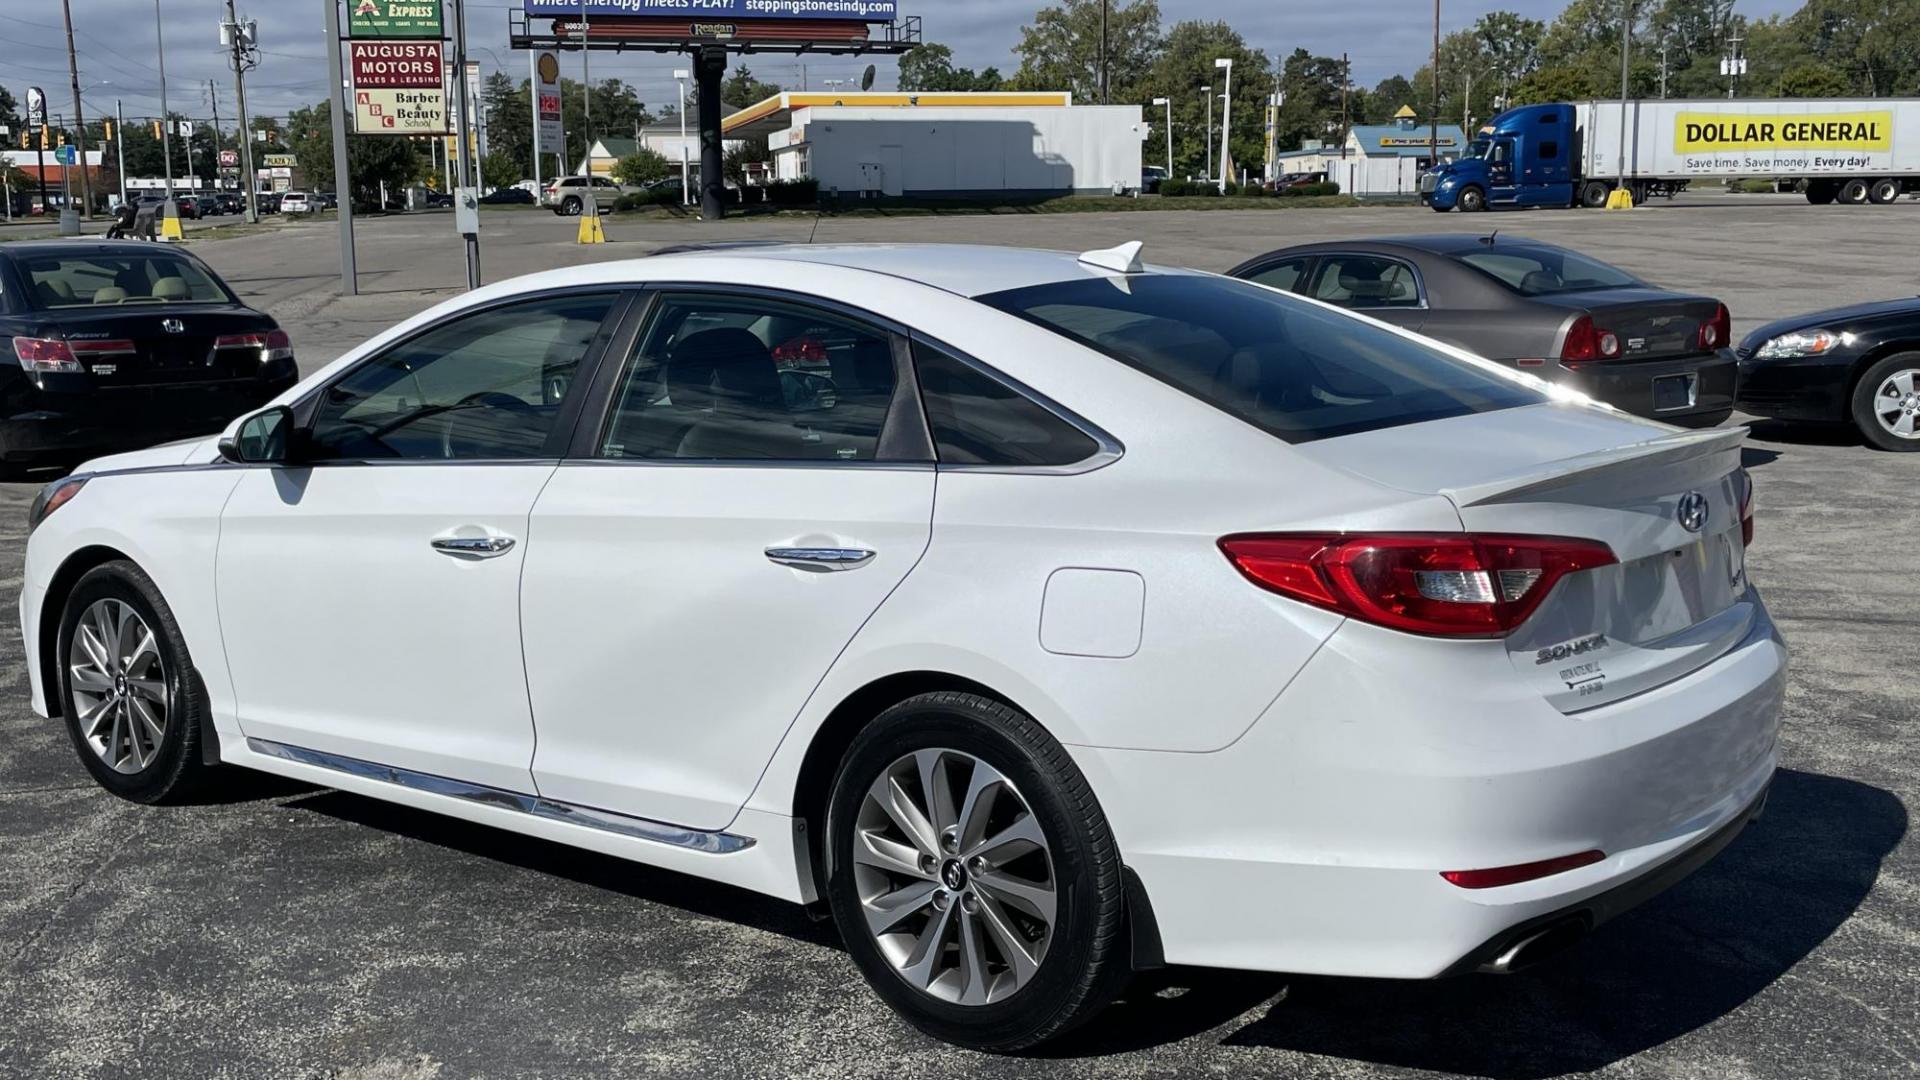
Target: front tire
(1472, 200)
(127, 691)
(1593, 194)
(972, 874)
(1886, 403)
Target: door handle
(820, 559)
(473, 547)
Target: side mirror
(261, 439)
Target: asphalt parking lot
(296, 932)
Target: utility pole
(342, 171)
(79, 116)
(120, 146)
(1103, 51)
(213, 96)
(1346, 80)
(1663, 71)
(462, 130)
(240, 41)
(1433, 114)
(1207, 172)
(1466, 109)
(168, 211)
(1626, 37)
(1734, 64)
(586, 105)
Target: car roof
(89, 247)
(963, 269)
(1434, 243)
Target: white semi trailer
(1852, 150)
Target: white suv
(567, 195)
(296, 202)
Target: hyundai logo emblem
(173, 326)
(1692, 511)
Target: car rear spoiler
(1545, 476)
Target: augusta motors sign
(411, 65)
(393, 18)
(399, 88)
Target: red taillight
(1585, 343)
(273, 345)
(801, 350)
(59, 354)
(1513, 875)
(1439, 584)
(1715, 331)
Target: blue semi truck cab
(1527, 156)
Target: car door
(369, 589)
(762, 481)
(1381, 286)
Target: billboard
(399, 87)
(394, 19)
(721, 10)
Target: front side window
(1542, 271)
(58, 281)
(1292, 369)
(1365, 281)
(486, 385)
(721, 378)
(979, 420)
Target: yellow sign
(1713, 133)
(1402, 140)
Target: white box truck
(1854, 150)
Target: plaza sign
(877, 11)
(394, 19)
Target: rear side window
(1365, 281)
(979, 420)
(1288, 367)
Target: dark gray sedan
(1544, 309)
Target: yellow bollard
(1619, 199)
(170, 227)
(590, 230)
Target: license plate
(1674, 392)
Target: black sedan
(1543, 309)
(1856, 365)
(119, 345)
(508, 196)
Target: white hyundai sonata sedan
(1041, 617)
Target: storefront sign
(394, 19)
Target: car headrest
(171, 288)
(1540, 281)
(724, 369)
(1366, 288)
(110, 294)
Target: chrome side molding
(659, 832)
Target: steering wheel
(490, 399)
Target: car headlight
(53, 497)
(1801, 343)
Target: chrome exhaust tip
(1537, 945)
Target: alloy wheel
(119, 685)
(955, 877)
(1896, 404)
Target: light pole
(168, 211)
(1226, 120)
(1206, 173)
(1621, 198)
(680, 77)
(1168, 102)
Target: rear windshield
(1288, 367)
(1540, 271)
(69, 281)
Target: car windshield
(69, 281)
(1289, 367)
(1543, 271)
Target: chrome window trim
(1419, 281)
(659, 832)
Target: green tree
(929, 69)
(1558, 82)
(741, 89)
(498, 169)
(371, 159)
(1813, 79)
(1508, 47)
(1311, 108)
(1184, 64)
(508, 107)
(1060, 49)
(643, 166)
(1386, 99)
(734, 165)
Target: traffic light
(43, 136)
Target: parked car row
(1316, 618)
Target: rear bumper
(56, 427)
(1315, 843)
(1812, 389)
(1712, 380)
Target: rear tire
(1593, 194)
(1472, 200)
(1057, 892)
(129, 698)
(1882, 192)
(1886, 403)
(1821, 192)
(1853, 192)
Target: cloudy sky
(116, 42)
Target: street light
(1620, 198)
(1207, 172)
(1226, 119)
(680, 77)
(1168, 102)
